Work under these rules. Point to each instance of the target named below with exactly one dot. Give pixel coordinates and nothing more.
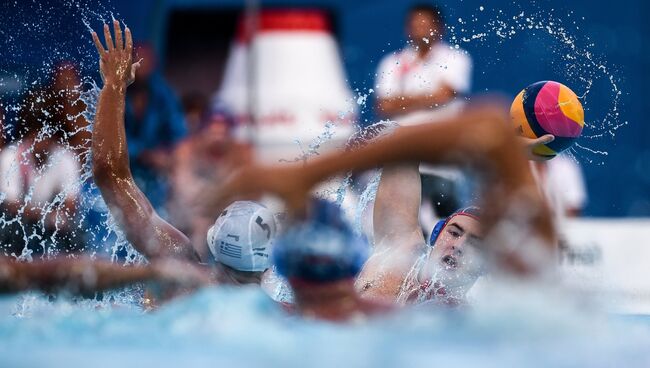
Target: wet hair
(431, 9)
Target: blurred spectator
(201, 160)
(66, 108)
(39, 184)
(154, 124)
(562, 181)
(421, 83)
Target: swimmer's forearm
(397, 205)
(149, 234)
(473, 136)
(76, 276)
(110, 154)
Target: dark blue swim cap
(323, 248)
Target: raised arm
(397, 203)
(479, 137)
(149, 234)
(397, 207)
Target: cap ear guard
(435, 233)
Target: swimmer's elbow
(105, 173)
(101, 174)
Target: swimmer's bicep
(397, 205)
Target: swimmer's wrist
(114, 85)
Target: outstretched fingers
(109, 39)
(98, 44)
(129, 41)
(119, 44)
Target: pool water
(242, 327)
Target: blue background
(618, 183)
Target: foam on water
(39, 38)
(221, 326)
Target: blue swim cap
(323, 248)
(471, 211)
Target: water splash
(35, 54)
(315, 145)
(570, 54)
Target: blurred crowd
(180, 145)
(177, 147)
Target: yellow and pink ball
(548, 107)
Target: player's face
(422, 25)
(456, 257)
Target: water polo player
(450, 265)
(403, 267)
(320, 257)
(516, 227)
(239, 241)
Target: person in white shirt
(39, 184)
(423, 83)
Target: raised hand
(116, 60)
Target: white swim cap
(242, 236)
